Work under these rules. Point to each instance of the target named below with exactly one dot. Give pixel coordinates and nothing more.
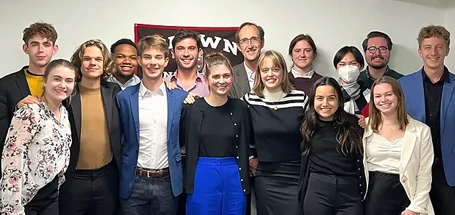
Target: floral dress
(37, 149)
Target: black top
(433, 94)
(325, 156)
(217, 137)
(193, 117)
(277, 135)
(367, 81)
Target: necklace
(275, 106)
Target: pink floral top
(37, 149)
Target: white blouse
(37, 149)
(383, 155)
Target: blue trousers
(217, 188)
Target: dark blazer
(240, 86)
(108, 93)
(412, 85)
(13, 88)
(128, 104)
(190, 124)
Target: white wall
(332, 23)
(450, 25)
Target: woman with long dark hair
(332, 178)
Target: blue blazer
(128, 105)
(415, 105)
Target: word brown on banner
(219, 39)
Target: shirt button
(231, 114)
(237, 157)
(240, 168)
(244, 190)
(236, 147)
(235, 124)
(236, 135)
(241, 179)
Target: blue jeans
(151, 196)
(217, 188)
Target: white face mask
(349, 73)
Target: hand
(253, 166)
(170, 85)
(191, 98)
(362, 122)
(408, 212)
(27, 100)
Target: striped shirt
(276, 126)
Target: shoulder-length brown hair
(375, 118)
(278, 61)
(108, 64)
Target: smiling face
(377, 54)
(153, 61)
(250, 43)
(125, 59)
(186, 54)
(59, 84)
(92, 63)
(385, 99)
(326, 102)
(303, 55)
(433, 51)
(271, 75)
(220, 80)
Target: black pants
(94, 192)
(332, 195)
(45, 202)
(386, 195)
(442, 196)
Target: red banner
(221, 39)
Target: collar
(199, 77)
(144, 91)
(112, 78)
(445, 76)
(373, 79)
(296, 74)
(249, 72)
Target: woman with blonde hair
(277, 111)
(216, 131)
(398, 155)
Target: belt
(152, 173)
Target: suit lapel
(107, 100)
(76, 108)
(409, 142)
(419, 99)
(134, 104)
(447, 93)
(170, 111)
(242, 76)
(22, 84)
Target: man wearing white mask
(348, 62)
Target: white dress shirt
(250, 75)
(296, 74)
(152, 128)
(384, 155)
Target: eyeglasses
(373, 49)
(254, 40)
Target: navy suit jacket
(415, 105)
(128, 105)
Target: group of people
(88, 136)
